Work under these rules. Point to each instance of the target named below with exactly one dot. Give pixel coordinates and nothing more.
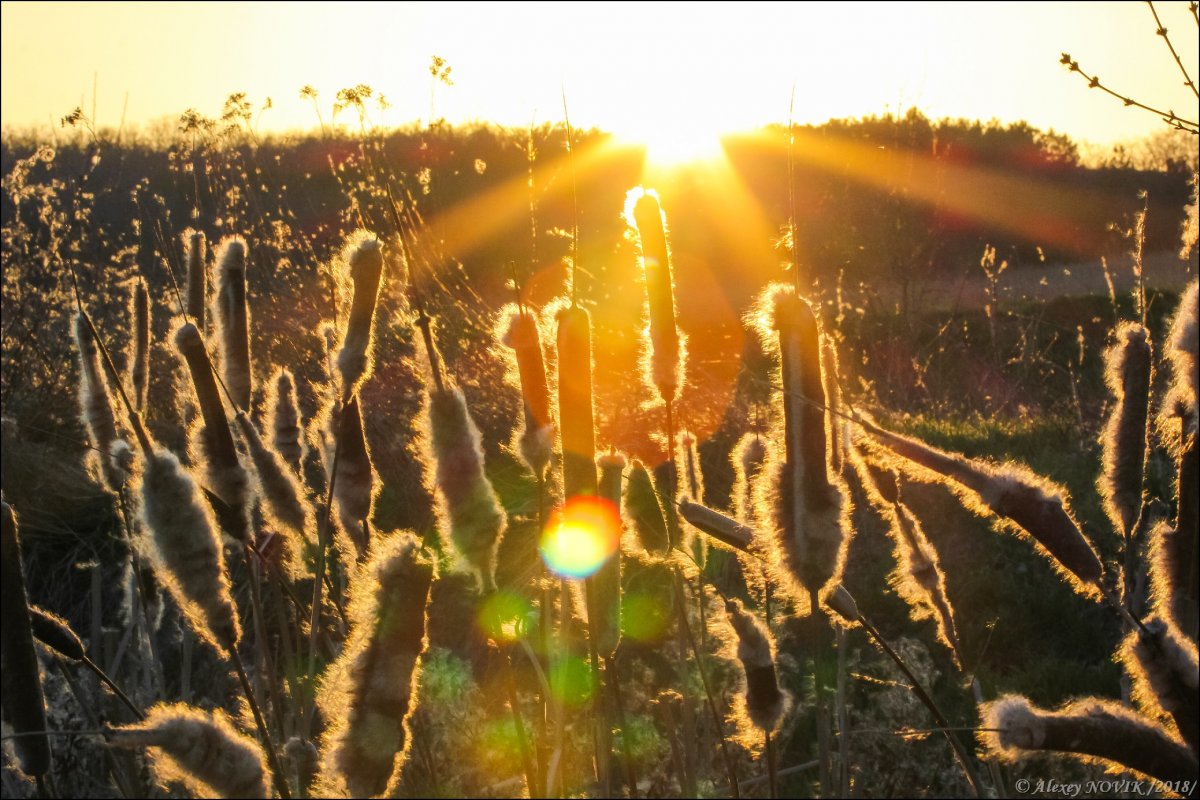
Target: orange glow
(581, 537)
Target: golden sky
(678, 72)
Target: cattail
(842, 603)
(717, 525)
(606, 582)
(519, 329)
(216, 451)
(303, 756)
(765, 702)
(807, 509)
(692, 489)
(469, 506)
(202, 750)
(575, 416)
(919, 577)
(354, 489)
(55, 632)
(666, 353)
(667, 486)
(370, 692)
(1182, 350)
(187, 552)
(1093, 729)
(1127, 370)
(95, 403)
(1033, 504)
(1163, 665)
(284, 413)
(233, 320)
(644, 511)
(139, 371)
(1173, 576)
(278, 485)
(24, 704)
(364, 258)
(747, 457)
(197, 276)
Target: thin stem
(111, 684)
(277, 775)
(960, 752)
(772, 770)
(712, 706)
(510, 687)
(1161, 31)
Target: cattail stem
(277, 774)
(681, 606)
(614, 678)
(820, 645)
(111, 684)
(510, 688)
(960, 753)
(143, 607)
(772, 769)
(435, 359)
(315, 618)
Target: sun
(673, 143)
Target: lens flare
(572, 681)
(581, 537)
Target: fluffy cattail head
(1163, 665)
(1182, 350)
(1095, 730)
(765, 702)
(278, 486)
(518, 328)
(363, 256)
(747, 457)
(139, 370)
(187, 552)
(1033, 504)
(354, 487)
(470, 509)
(202, 750)
(1173, 576)
(233, 320)
(55, 632)
(370, 692)
(95, 403)
(284, 412)
(197, 275)
(1128, 372)
(842, 603)
(717, 525)
(808, 506)
(575, 414)
(665, 348)
(644, 511)
(213, 443)
(20, 676)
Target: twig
(1162, 31)
(1170, 117)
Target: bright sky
(681, 71)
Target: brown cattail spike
(139, 372)
(843, 604)
(748, 457)
(187, 552)
(24, 704)
(287, 436)
(1033, 504)
(606, 583)
(364, 259)
(717, 525)
(765, 702)
(575, 402)
(1163, 665)
(278, 486)
(371, 693)
(808, 509)
(470, 509)
(1124, 440)
(197, 276)
(202, 750)
(644, 511)
(519, 329)
(223, 471)
(666, 359)
(233, 320)
(354, 488)
(95, 402)
(1094, 729)
(55, 632)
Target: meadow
(452, 462)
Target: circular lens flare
(581, 537)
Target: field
(461, 462)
